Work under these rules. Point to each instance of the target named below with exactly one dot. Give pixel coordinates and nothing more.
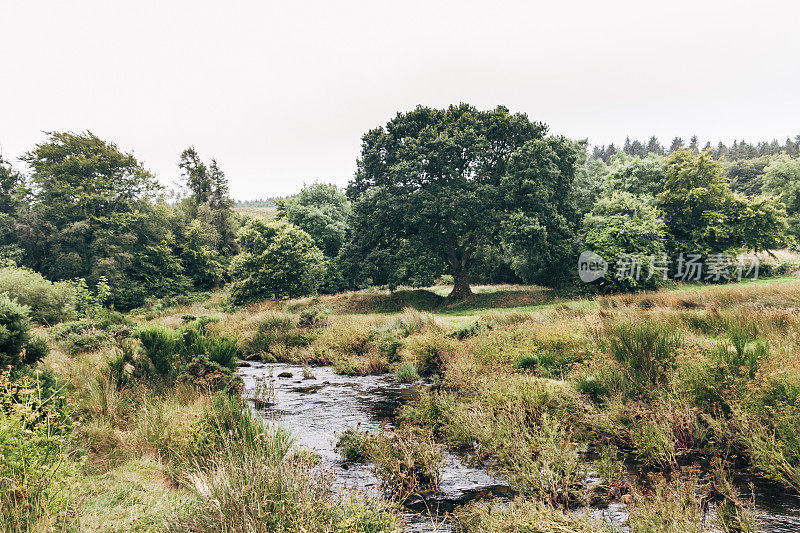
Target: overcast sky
(281, 92)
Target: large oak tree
(444, 182)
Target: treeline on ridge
(482, 196)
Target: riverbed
(317, 405)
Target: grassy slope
(257, 212)
(137, 492)
(495, 298)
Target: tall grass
(32, 444)
(522, 515)
(161, 346)
(646, 349)
(254, 484)
(411, 322)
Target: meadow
(665, 404)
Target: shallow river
(318, 409)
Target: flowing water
(320, 405)
(317, 410)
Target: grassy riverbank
(691, 385)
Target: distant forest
(271, 201)
(745, 163)
(738, 150)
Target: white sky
(281, 92)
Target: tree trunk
(461, 289)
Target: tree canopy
(95, 213)
(445, 181)
(277, 260)
(321, 210)
(704, 216)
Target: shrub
(430, 352)
(312, 318)
(388, 345)
(408, 461)
(209, 376)
(160, 345)
(108, 319)
(220, 350)
(36, 349)
(277, 261)
(224, 351)
(406, 373)
(86, 341)
(645, 349)
(49, 302)
(353, 446)
(14, 331)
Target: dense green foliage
(703, 215)
(278, 260)
(15, 328)
(438, 184)
(321, 210)
(621, 225)
(208, 189)
(90, 211)
(96, 214)
(49, 302)
(782, 180)
(17, 346)
(482, 196)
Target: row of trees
(484, 196)
(89, 210)
(488, 196)
(738, 150)
(677, 204)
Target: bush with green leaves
(201, 262)
(36, 349)
(197, 342)
(277, 261)
(88, 302)
(161, 346)
(321, 210)
(190, 354)
(15, 328)
(85, 335)
(623, 225)
(48, 302)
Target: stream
(319, 407)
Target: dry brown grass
(780, 294)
